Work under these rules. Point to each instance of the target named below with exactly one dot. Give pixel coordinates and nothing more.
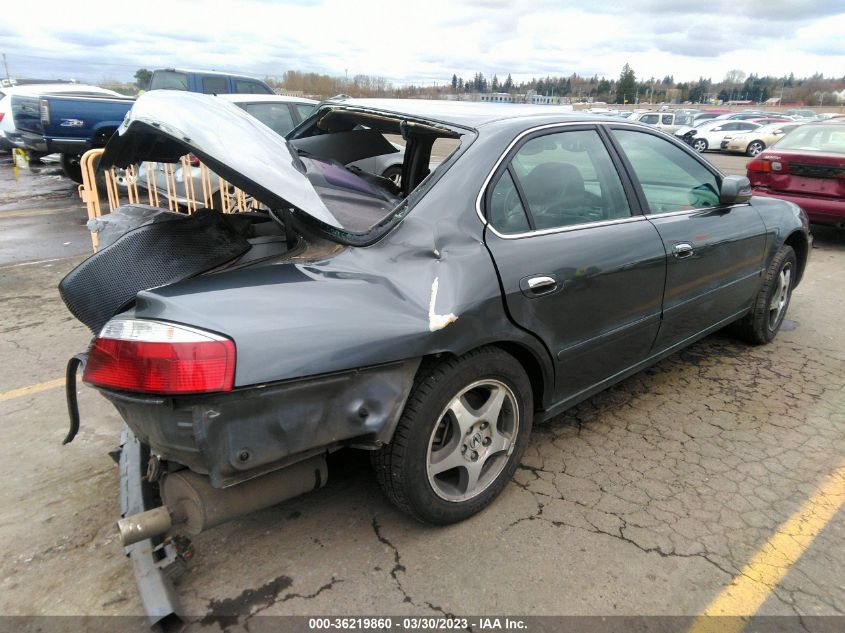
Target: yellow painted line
(31, 389)
(755, 582)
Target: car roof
(256, 98)
(196, 71)
(462, 113)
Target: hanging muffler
(193, 505)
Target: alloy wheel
(472, 440)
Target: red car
(807, 167)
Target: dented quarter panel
(369, 305)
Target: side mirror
(734, 190)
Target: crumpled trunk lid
(164, 125)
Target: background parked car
(805, 115)
(755, 141)
(710, 135)
(666, 121)
(10, 137)
(807, 167)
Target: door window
(666, 119)
(565, 179)
(671, 179)
(507, 215)
(651, 119)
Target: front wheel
(460, 438)
(754, 148)
(761, 325)
(699, 145)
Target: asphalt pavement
(661, 496)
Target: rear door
(714, 253)
(580, 266)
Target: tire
(408, 468)
(699, 145)
(754, 148)
(71, 167)
(394, 174)
(762, 323)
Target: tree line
(626, 89)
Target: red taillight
(155, 357)
(193, 160)
(759, 165)
(2, 114)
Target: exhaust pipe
(191, 503)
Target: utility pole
(6, 66)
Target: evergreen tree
(626, 87)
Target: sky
(425, 42)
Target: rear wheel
(71, 167)
(761, 325)
(460, 438)
(755, 147)
(699, 144)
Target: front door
(714, 253)
(578, 269)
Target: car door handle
(683, 250)
(541, 283)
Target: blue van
(208, 82)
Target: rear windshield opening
(365, 165)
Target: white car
(710, 134)
(7, 123)
(754, 142)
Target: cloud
(414, 42)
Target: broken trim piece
(158, 596)
(437, 321)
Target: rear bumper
(236, 436)
(819, 210)
(27, 140)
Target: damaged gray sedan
(549, 256)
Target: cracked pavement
(646, 499)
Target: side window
(650, 119)
(671, 179)
(747, 126)
(247, 86)
(506, 213)
(304, 110)
(276, 116)
(666, 119)
(215, 85)
(568, 178)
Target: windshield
(169, 80)
(816, 138)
